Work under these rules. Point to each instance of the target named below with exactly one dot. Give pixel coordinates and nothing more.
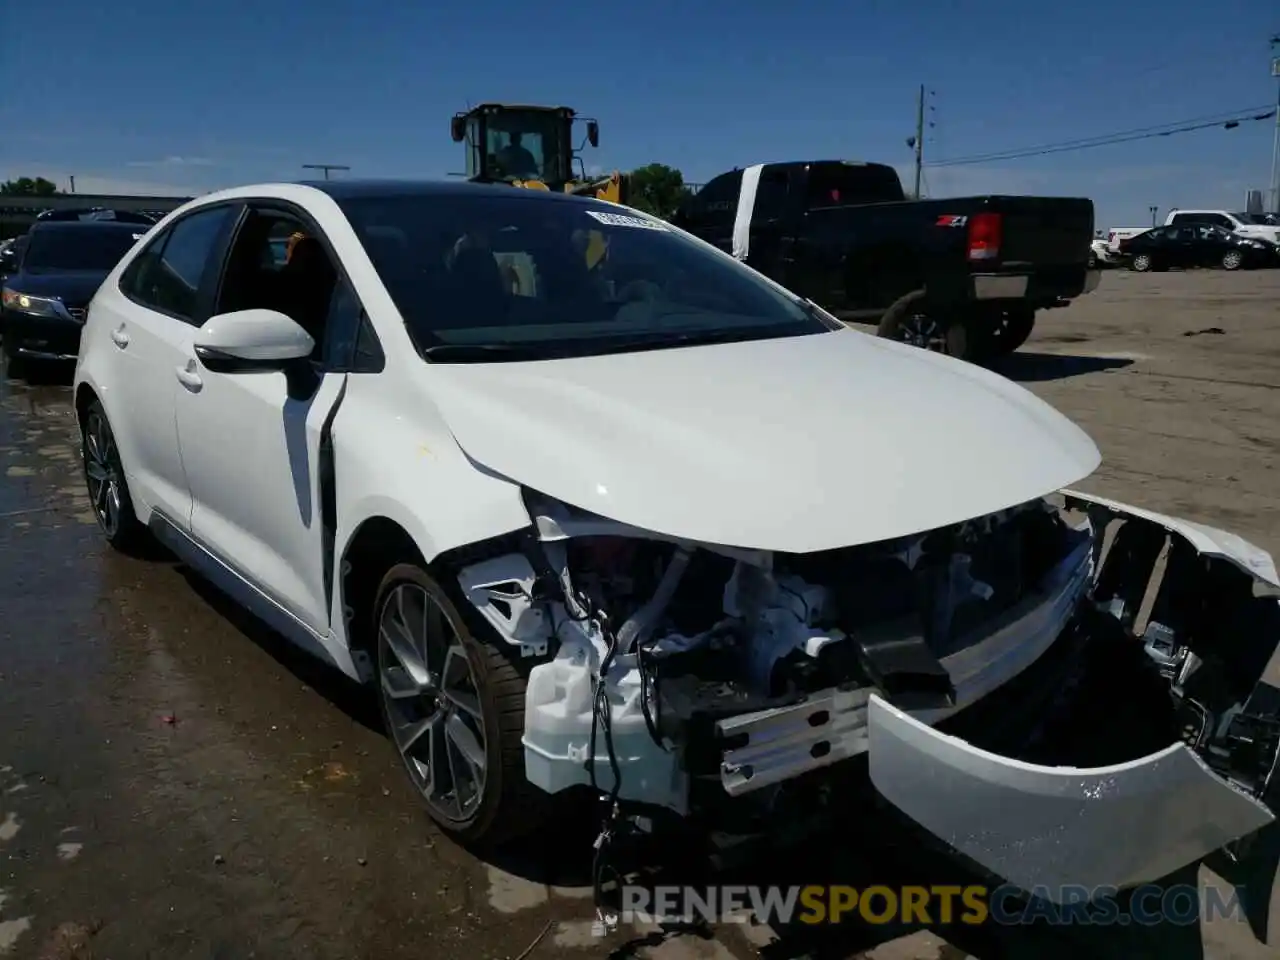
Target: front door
(251, 440)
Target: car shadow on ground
(330, 683)
(1032, 367)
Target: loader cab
(527, 144)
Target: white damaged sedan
(594, 507)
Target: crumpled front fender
(1213, 634)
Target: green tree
(28, 187)
(657, 189)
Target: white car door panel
(251, 452)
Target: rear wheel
(1011, 330)
(1232, 260)
(1141, 263)
(962, 334)
(108, 488)
(454, 708)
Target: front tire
(15, 367)
(108, 488)
(453, 706)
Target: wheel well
(84, 397)
(378, 545)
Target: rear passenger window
(166, 276)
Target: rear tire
(430, 694)
(1232, 260)
(1141, 263)
(1012, 330)
(108, 487)
(911, 319)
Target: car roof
(341, 190)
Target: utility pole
(1275, 141)
(73, 183)
(1154, 211)
(919, 139)
(326, 167)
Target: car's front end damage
(706, 682)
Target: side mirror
(593, 133)
(458, 129)
(252, 340)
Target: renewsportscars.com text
(1182, 904)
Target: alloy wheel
(432, 702)
(921, 330)
(101, 473)
(1142, 263)
(1232, 260)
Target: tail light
(1111, 236)
(984, 236)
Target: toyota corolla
(645, 523)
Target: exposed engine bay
(679, 676)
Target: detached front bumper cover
(1046, 828)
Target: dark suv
(60, 268)
(97, 214)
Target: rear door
(146, 324)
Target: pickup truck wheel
(1013, 329)
(1141, 263)
(912, 320)
(1093, 260)
(453, 705)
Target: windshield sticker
(622, 220)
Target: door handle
(188, 377)
(119, 337)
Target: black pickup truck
(964, 276)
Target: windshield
(524, 144)
(518, 276)
(85, 249)
(1253, 219)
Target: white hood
(796, 445)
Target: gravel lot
(175, 783)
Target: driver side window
(279, 262)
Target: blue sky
(164, 97)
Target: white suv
(591, 504)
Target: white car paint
(798, 444)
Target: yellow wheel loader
(532, 147)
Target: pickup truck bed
(964, 275)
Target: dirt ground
(176, 783)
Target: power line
(1226, 120)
